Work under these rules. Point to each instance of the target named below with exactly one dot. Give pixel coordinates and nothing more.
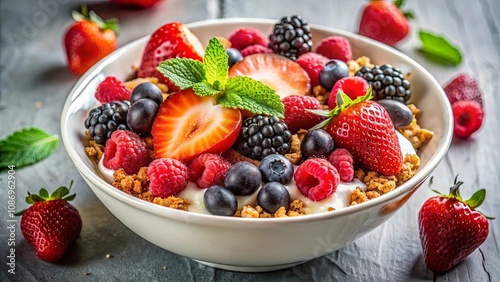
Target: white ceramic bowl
(244, 244)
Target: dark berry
(261, 136)
(272, 196)
(291, 37)
(243, 179)
(332, 72)
(105, 119)
(276, 168)
(141, 115)
(386, 82)
(234, 56)
(399, 112)
(220, 201)
(146, 90)
(317, 143)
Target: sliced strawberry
(188, 125)
(173, 40)
(281, 74)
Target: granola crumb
(249, 212)
(356, 65)
(357, 196)
(413, 132)
(294, 154)
(93, 150)
(331, 208)
(131, 84)
(320, 93)
(172, 202)
(257, 211)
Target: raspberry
(463, 87)
(468, 116)
(316, 178)
(125, 149)
(208, 170)
(244, 37)
(112, 89)
(352, 86)
(167, 177)
(296, 116)
(335, 47)
(255, 49)
(313, 63)
(342, 160)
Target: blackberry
(105, 119)
(386, 82)
(291, 37)
(261, 136)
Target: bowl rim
(207, 219)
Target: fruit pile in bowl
(230, 120)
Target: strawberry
(450, 228)
(139, 4)
(51, 224)
(89, 40)
(384, 21)
(365, 129)
(188, 125)
(172, 40)
(112, 89)
(463, 87)
(283, 75)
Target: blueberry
(146, 90)
(399, 112)
(141, 115)
(272, 196)
(234, 56)
(317, 143)
(243, 178)
(220, 201)
(276, 168)
(331, 72)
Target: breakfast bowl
(247, 244)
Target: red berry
(112, 89)
(468, 116)
(463, 87)
(312, 63)
(255, 49)
(167, 177)
(208, 170)
(352, 86)
(125, 149)
(296, 116)
(342, 160)
(335, 47)
(316, 178)
(244, 37)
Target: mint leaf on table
(26, 147)
(439, 49)
(210, 77)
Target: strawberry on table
(463, 87)
(51, 224)
(384, 21)
(89, 40)
(450, 228)
(172, 40)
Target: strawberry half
(188, 125)
(173, 40)
(283, 75)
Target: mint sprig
(439, 49)
(210, 77)
(26, 147)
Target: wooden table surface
(35, 82)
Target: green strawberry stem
(44, 196)
(91, 16)
(407, 14)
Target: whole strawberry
(51, 224)
(384, 21)
(450, 228)
(89, 40)
(365, 129)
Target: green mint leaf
(183, 72)
(204, 89)
(26, 147)
(248, 94)
(215, 64)
(437, 48)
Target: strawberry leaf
(43, 193)
(183, 72)
(437, 48)
(215, 64)
(477, 199)
(26, 147)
